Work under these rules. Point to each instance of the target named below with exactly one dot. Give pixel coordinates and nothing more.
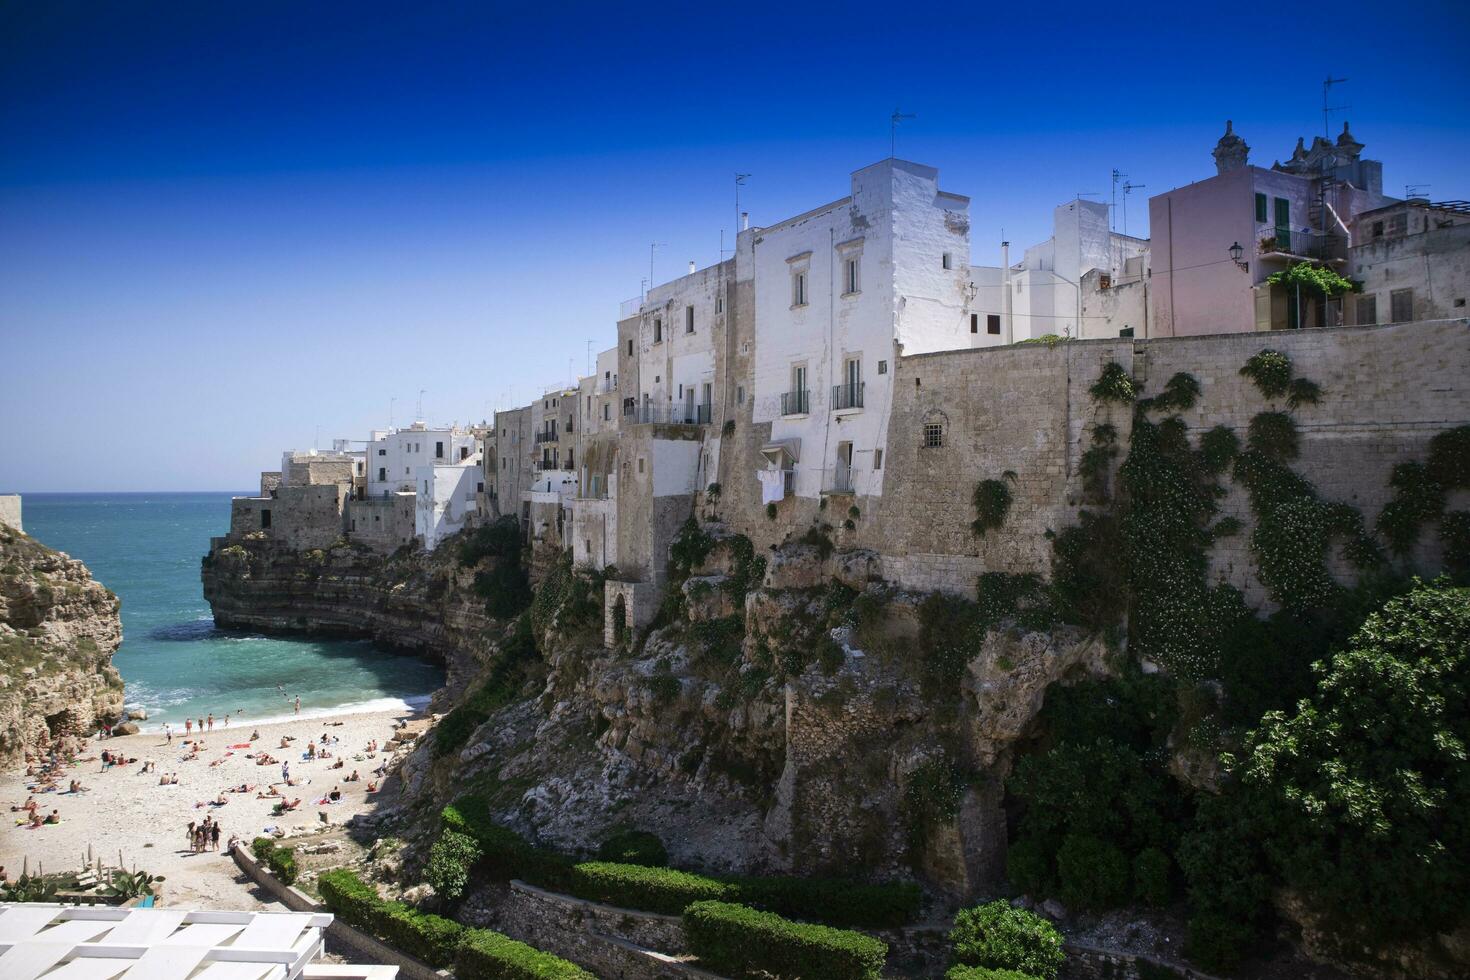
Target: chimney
(1231, 152)
(691, 267)
(745, 221)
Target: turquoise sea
(146, 547)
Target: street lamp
(1235, 252)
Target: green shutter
(1283, 224)
(1261, 216)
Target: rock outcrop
(413, 601)
(58, 631)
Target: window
(974, 323)
(882, 367)
(877, 459)
(1398, 224)
(658, 331)
(992, 324)
(606, 412)
(630, 348)
(1377, 229)
(1401, 305)
(850, 276)
(1367, 309)
(1261, 217)
(688, 319)
(439, 450)
(382, 452)
(933, 435)
(719, 302)
(946, 260)
(464, 452)
(798, 289)
(640, 464)
(740, 394)
(265, 519)
(382, 474)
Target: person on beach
(254, 735)
(214, 836)
(227, 721)
(353, 778)
(188, 726)
(335, 795)
(168, 734)
(311, 750)
(211, 721)
(298, 704)
(286, 772)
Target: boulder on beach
(137, 714)
(125, 728)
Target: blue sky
(228, 228)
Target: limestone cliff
(58, 631)
(411, 601)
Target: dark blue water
(174, 663)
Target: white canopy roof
(60, 942)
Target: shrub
(833, 901)
(1093, 873)
(634, 847)
(282, 863)
(1151, 877)
(650, 889)
(505, 854)
(431, 938)
(1029, 865)
(1271, 371)
(486, 955)
(992, 502)
(261, 847)
(450, 861)
(1114, 385)
(741, 941)
(1000, 937)
(983, 973)
(1218, 943)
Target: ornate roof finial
(1231, 152)
(1347, 142)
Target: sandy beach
(124, 809)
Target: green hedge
(650, 889)
(281, 860)
(999, 937)
(740, 941)
(634, 847)
(486, 955)
(475, 953)
(505, 854)
(833, 901)
(984, 973)
(431, 938)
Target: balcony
(796, 402)
(1285, 245)
(674, 414)
(606, 386)
(545, 437)
(841, 482)
(845, 397)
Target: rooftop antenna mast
(391, 403)
(1128, 188)
(1327, 108)
(652, 246)
(739, 182)
(893, 122)
(1417, 190)
(419, 411)
(1118, 177)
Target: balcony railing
(796, 402)
(842, 481)
(1301, 244)
(676, 414)
(847, 396)
(545, 437)
(606, 386)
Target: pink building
(1301, 210)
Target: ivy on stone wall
(992, 502)
(1114, 385)
(1420, 489)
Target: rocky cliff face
(410, 601)
(58, 631)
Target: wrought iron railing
(796, 402)
(847, 396)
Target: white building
(674, 346)
(393, 455)
(839, 291)
(446, 497)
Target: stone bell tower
(1231, 151)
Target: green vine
(1114, 385)
(1097, 462)
(1271, 371)
(1317, 278)
(1420, 489)
(992, 502)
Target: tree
(1363, 793)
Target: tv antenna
(893, 122)
(739, 182)
(652, 246)
(1118, 177)
(1417, 190)
(419, 412)
(1082, 194)
(1128, 188)
(391, 403)
(1327, 109)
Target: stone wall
(301, 518)
(1023, 414)
(10, 511)
(383, 524)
